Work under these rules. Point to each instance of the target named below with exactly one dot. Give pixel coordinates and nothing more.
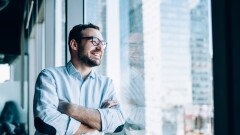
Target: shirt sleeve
(112, 118)
(46, 103)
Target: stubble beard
(85, 59)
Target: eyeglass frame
(103, 43)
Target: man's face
(88, 53)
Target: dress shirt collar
(72, 70)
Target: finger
(111, 104)
(104, 105)
(105, 101)
(110, 101)
(115, 106)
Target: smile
(97, 54)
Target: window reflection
(165, 64)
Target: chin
(98, 63)
(94, 63)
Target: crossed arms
(90, 118)
(66, 118)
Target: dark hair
(76, 32)
(10, 113)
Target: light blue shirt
(66, 83)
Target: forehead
(92, 32)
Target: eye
(94, 42)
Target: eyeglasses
(96, 41)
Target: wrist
(74, 110)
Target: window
(160, 59)
(60, 22)
(4, 72)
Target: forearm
(108, 118)
(84, 129)
(87, 116)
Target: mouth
(96, 55)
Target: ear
(73, 44)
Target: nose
(100, 47)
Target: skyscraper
(200, 55)
(167, 59)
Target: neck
(82, 68)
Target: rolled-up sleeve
(112, 118)
(46, 103)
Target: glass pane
(159, 56)
(13, 106)
(60, 22)
(5, 72)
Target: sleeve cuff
(111, 119)
(73, 126)
(103, 119)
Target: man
(74, 99)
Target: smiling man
(74, 99)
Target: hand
(110, 104)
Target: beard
(86, 59)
